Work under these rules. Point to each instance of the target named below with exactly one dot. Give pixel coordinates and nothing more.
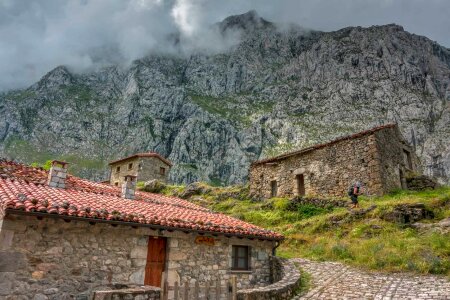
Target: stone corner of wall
(128, 293)
(287, 280)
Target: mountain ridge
(212, 115)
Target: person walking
(354, 191)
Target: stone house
(379, 158)
(145, 166)
(63, 237)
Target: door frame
(164, 262)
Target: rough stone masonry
(54, 259)
(379, 158)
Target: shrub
(309, 210)
(341, 251)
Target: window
(130, 166)
(117, 169)
(162, 171)
(240, 258)
(116, 183)
(273, 188)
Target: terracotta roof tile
(146, 154)
(24, 188)
(318, 146)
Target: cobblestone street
(331, 280)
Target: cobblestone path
(331, 280)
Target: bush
(280, 203)
(341, 251)
(309, 210)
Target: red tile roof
(318, 146)
(146, 154)
(24, 189)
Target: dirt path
(336, 281)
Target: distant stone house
(62, 237)
(145, 166)
(379, 158)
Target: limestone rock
(408, 213)
(193, 189)
(420, 183)
(213, 114)
(153, 186)
(442, 226)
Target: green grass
(238, 110)
(20, 95)
(21, 150)
(305, 283)
(369, 242)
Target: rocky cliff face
(213, 114)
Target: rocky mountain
(212, 114)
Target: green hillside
(372, 237)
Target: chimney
(129, 187)
(57, 175)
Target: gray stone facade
(145, 168)
(49, 258)
(379, 158)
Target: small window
(116, 183)
(162, 171)
(117, 169)
(240, 258)
(273, 188)
(130, 166)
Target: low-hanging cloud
(38, 35)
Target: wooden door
(300, 185)
(156, 258)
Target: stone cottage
(62, 237)
(145, 166)
(379, 158)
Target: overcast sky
(38, 35)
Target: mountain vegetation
(213, 113)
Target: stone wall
(394, 166)
(327, 171)
(117, 178)
(54, 259)
(374, 159)
(286, 282)
(129, 293)
(145, 168)
(150, 169)
(192, 262)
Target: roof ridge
(320, 145)
(143, 154)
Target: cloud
(38, 35)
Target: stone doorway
(273, 188)
(300, 179)
(156, 259)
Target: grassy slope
(368, 242)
